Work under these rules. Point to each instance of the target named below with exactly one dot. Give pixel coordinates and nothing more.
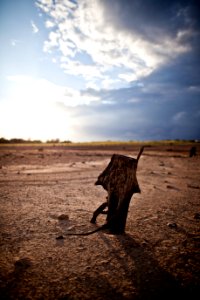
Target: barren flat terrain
(47, 191)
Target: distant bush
(18, 141)
(57, 141)
(67, 142)
(53, 141)
(3, 141)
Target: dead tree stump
(119, 180)
(193, 151)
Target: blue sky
(99, 69)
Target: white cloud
(31, 90)
(14, 42)
(108, 83)
(194, 88)
(77, 68)
(179, 117)
(34, 27)
(49, 24)
(82, 28)
(134, 100)
(53, 42)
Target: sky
(93, 70)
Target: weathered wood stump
(120, 181)
(193, 151)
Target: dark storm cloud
(149, 121)
(165, 104)
(153, 18)
(159, 113)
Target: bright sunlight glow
(32, 110)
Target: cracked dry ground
(46, 192)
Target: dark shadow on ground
(149, 279)
(23, 284)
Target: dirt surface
(46, 192)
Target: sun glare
(32, 111)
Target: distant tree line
(57, 141)
(18, 141)
(22, 141)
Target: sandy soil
(47, 192)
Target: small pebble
(63, 217)
(60, 237)
(172, 225)
(23, 263)
(197, 216)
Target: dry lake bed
(48, 191)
